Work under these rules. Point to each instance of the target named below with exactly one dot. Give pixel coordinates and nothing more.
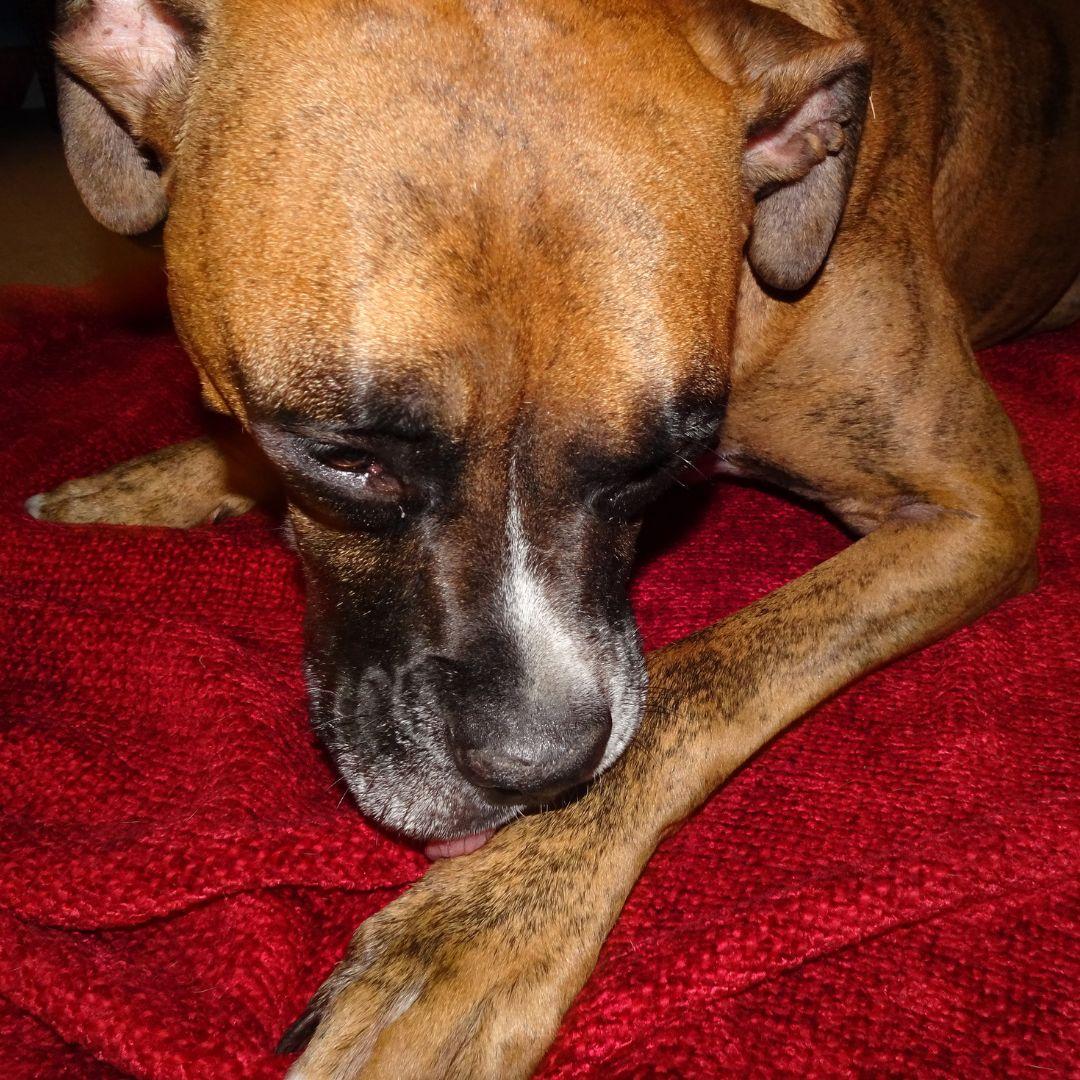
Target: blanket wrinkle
(891, 888)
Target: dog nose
(531, 761)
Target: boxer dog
(474, 278)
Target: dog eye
(627, 498)
(347, 459)
(366, 471)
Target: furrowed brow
(671, 433)
(373, 416)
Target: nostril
(600, 728)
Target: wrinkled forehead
(404, 77)
(479, 198)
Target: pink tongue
(461, 845)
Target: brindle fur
(961, 227)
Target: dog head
(468, 272)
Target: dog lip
(459, 845)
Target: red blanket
(890, 889)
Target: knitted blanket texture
(890, 889)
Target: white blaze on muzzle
(558, 659)
(553, 653)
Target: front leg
(199, 482)
(468, 974)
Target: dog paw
(179, 486)
(467, 975)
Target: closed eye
(625, 497)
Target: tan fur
(194, 483)
(497, 269)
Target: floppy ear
(124, 67)
(804, 98)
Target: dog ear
(123, 72)
(804, 97)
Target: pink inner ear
(135, 41)
(802, 139)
